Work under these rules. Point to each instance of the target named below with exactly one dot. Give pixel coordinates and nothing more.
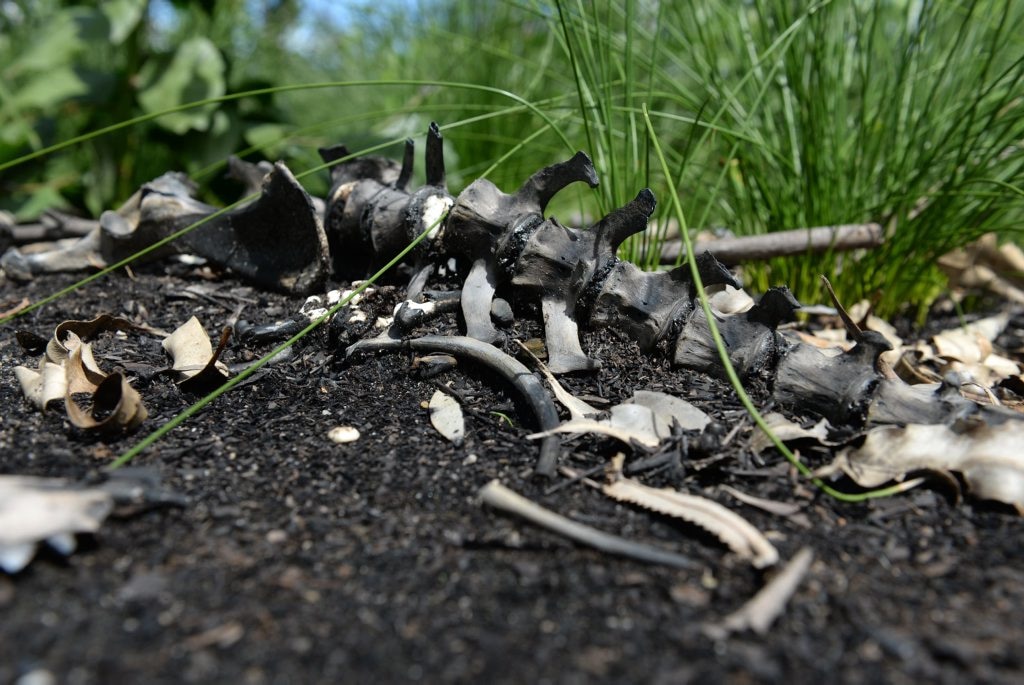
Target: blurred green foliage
(69, 69)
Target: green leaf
(124, 16)
(46, 197)
(195, 72)
(48, 89)
(270, 139)
(51, 48)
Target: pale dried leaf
(639, 421)
(446, 416)
(34, 510)
(829, 341)
(788, 431)
(116, 401)
(81, 371)
(762, 609)
(991, 458)
(42, 386)
(670, 407)
(726, 300)
(602, 428)
(731, 528)
(578, 409)
(69, 333)
(191, 350)
(1000, 366)
(646, 419)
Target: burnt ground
(297, 560)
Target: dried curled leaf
(731, 528)
(989, 457)
(446, 417)
(68, 368)
(116, 407)
(195, 363)
(44, 385)
(34, 510)
(58, 349)
(54, 377)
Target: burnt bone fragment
(489, 229)
(371, 214)
(277, 241)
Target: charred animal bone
(371, 215)
(579, 281)
(489, 228)
(277, 241)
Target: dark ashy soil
(297, 560)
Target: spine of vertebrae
(509, 245)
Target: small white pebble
(343, 434)
(469, 460)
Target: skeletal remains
(511, 248)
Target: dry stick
(780, 243)
(498, 496)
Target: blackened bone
(557, 264)
(485, 220)
(477, 294)
(753, 347)
(371, 216)
(643, 304)
(575, 273)
(649, 306)
(836, 387)
(276, 241)
(250, 175)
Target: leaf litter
(68, 368)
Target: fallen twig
(780, 243)
(500, 497)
